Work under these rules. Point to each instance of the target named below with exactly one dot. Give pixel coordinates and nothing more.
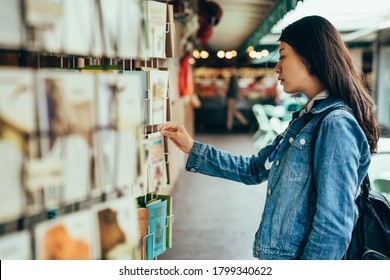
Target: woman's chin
(289, 91)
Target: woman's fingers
(179, 136)
(168, 133)
(169, 128)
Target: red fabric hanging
(186, 83)
(205, 31)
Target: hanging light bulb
(196, 54)
(264, 53)
(221, 54)
(204, 54)
(250, 49)
(252, 54)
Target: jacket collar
(329, 102)
(312, 102)
(323, 105)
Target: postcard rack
(50, 57)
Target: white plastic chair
(268, 128)
(382, 182)
(378, 168)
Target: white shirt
(322, 95)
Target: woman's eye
(281, 57)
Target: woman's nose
(277, 69)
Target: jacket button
(277, 163)
(302, 141)
(192, 170)
(290, 139)
(269, 192)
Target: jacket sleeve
(206, 159)
(341, 153)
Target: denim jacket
(310, 207)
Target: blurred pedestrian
(232, 96)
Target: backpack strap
(364, 187)
(324, 114)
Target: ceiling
(356, 20)
(241, 19)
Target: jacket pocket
(297, 161)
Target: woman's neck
(314, 87)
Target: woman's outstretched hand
(179, 136)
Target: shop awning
(356, 20)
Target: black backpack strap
(362, 197)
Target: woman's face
(292, 72)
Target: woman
(232, 97)
(315, 167)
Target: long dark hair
(321, 48)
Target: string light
(250, 49)
(252, 54)
(204, 54)
(196, 54)
(264, 53)
(221, 54)
(258, 54)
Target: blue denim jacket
(309, 211)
